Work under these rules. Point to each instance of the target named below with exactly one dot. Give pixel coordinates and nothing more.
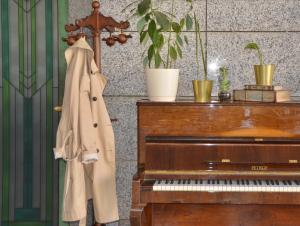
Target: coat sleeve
(87, 126)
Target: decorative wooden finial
(96, 5)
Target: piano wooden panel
(186, 140)
(221, 215)
(181, 156)
(216, 120)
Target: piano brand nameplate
(259, 168)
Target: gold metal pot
(202, 90)
(264, 74)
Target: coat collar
(83, 44)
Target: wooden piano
(217, 164)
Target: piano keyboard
(215, 185)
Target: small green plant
(254, 46)
(200, 42)
(223, 80)
(159, 29)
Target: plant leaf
(157, 60)
(147, 17)
(146, 38)
(189, 22)
(141, 24)
(160, 41)
(173, 53)
(182, 23)
(176, 27)
(155, 39)
(186, 39)
(145, 61)
(144, 6)
(162, 19)
(152, 29)
(143, 35)
(179, 51)
(252, 45)
(179, 40)
(151, 52)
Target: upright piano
(217, 164)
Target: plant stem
(169, 39)
(202, 51)
(197, 47)
(260, 56)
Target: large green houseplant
(264, 73)
(202, 87)
(161, 32)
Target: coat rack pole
(97, 49)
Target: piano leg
(141, 215)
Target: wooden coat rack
(96, 22)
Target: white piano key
(235, 186)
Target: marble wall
(229, 25)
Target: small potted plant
(224, 84)
(264, 73)
(202, 88)
(161, 31)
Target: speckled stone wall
(228, 25)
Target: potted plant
(264, 73)
(202, 88)
(161, 31)
(224, 84)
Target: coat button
(97, 150)
(95, 125)
(94, 98)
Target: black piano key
(196, 181)
(243, 182)
(218, 181)
(267, 181)
(284, 182)
(184, 181)
(208, 181)
(276, 182)
(296, 182)
(167, 181)
(289, 182)
(172, 181)
(247, 182)
(213, 181)
(230, 181)
(238, 182)
(255, 182)
(189, 181)
(201, 181)
(159, 181)
(259, 182)
(179, 181)
(225, 181)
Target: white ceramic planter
(162, 84)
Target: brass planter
(264, 74)
(202, 90)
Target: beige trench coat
(85, 140)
